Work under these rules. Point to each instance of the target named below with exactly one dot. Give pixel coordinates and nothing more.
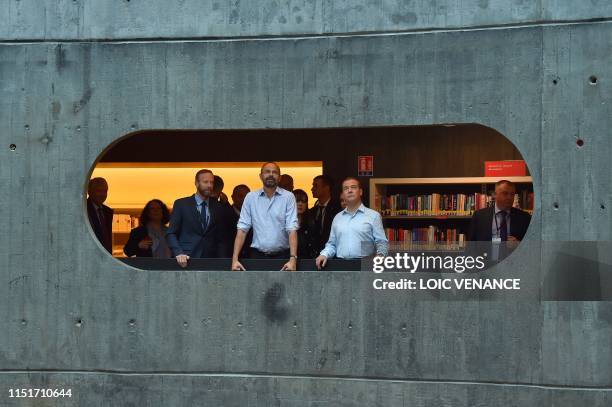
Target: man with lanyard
(501, 222)
(271, 212)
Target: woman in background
(149, 238)
(305, 246)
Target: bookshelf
(435, 212)
(124, 220)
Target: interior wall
(402, 151)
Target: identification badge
(496, 240)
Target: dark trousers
(256, 254)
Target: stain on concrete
(56, 108)
(406, 18)
(273, 305)
(233, 18)
(78, 106)
(60, 58)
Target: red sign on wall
(365, 166)
(508, 168)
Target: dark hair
(202, 172)
(505, 181)
(269, 162)
(352, 178)
(326, 179)
(300, 195)
(240, 186)
(218, 184)
(144, 215)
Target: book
(428, 234)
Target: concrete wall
(71, 314)
(130, 19)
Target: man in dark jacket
(501, 221)
(323, 212)
(238, 195)
(100, 215)
(197, 223)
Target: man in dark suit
(100, 215)
(323, 212)
(238, 195)
(228, 214)
(501, 221)
(197, 223)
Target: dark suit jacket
(185, 234)
(232, 227)
(104, 231)
(131, 247)
(321, 236)
(306, 249)
(480, 225)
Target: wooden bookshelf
(378, 185)
(409, 187)
(121, 233)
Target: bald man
(271, 212)
(100, 215)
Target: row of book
(428, 234)
(524, 200)
(443, 204)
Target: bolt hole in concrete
(602, 206)
(78, 323)
(593, 80)
(556, 206)
(139, 167)
(555, 81)
(580, 142)
(12, 147)
(132, 322)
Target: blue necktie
(203, 218)
(503, 227)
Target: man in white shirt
(356, 231)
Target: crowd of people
(273, 222)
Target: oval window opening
(433, 190)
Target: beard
(205, 192)
(270, 182)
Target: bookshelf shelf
(433, 217)
(446, 180)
